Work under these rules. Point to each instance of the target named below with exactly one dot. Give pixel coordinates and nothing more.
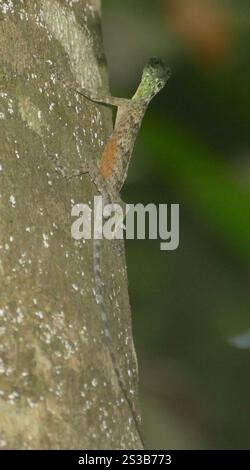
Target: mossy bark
(58, 388)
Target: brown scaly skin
(109, 177)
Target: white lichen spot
(23, 15)
(39, 19)
(71, 2)
(53, 78)
(12, 398)
(12, 200)
(23, 259)
(20, 315)
(104, 425)
(88, 405)
(39, 314)
(2, 116)
(2, 368)
(10, 106)
(45, 240)
(94, 382)
(7, 7)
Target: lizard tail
(107, 336)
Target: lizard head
(154, 78)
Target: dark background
(191, 306)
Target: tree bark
(58, 388)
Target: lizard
(110, 174)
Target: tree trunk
(58, 388)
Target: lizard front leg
(97, 97)
(102, 99)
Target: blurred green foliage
(193, 150)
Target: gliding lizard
(110, 175)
